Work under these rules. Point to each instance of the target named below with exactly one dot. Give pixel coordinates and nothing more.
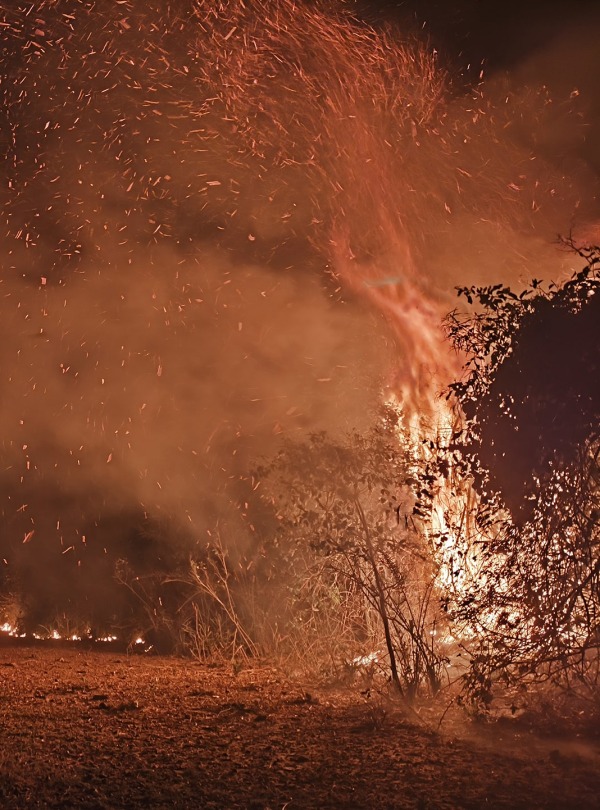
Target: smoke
(201, 204)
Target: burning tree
(529, 444)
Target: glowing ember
(8, 628)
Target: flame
(424, 361)
(8, 629)
(54, 635)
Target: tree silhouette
(532, 394)
(529, 443)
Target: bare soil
(83, 728)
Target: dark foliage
(532, 396)
(529, 444)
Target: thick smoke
(201, 202)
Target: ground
(85, 728)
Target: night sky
(544, 42)
(547, 42)
(497, 33)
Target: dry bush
(350, 504)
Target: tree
(529, 443)
(532, 393)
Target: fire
(12, 631)
(8, 629)
(198, 207)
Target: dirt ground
(83, 728)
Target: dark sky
(551, 43)
(498, 33)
